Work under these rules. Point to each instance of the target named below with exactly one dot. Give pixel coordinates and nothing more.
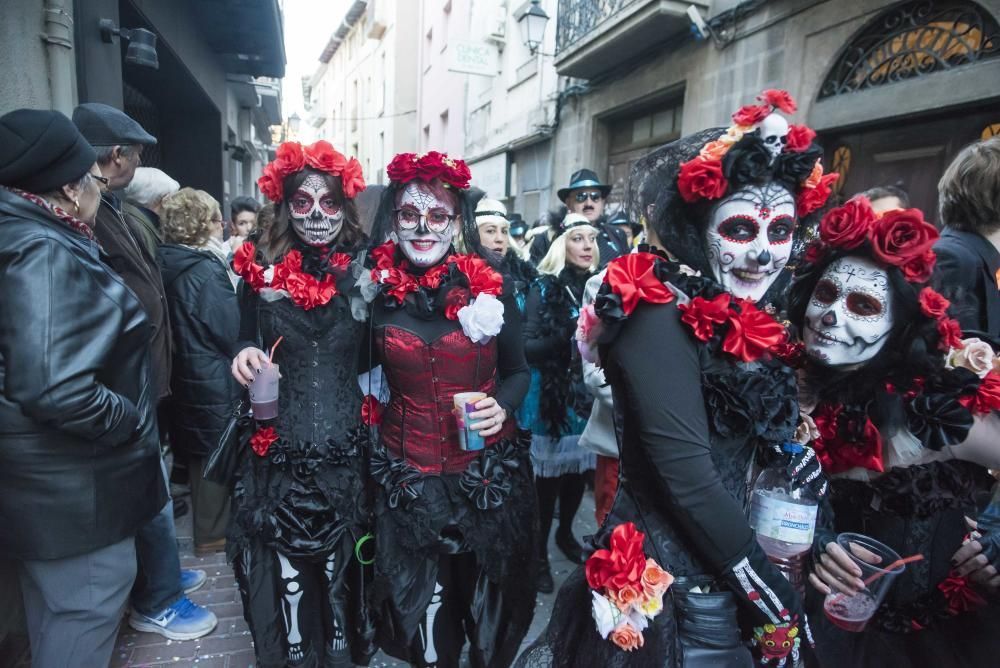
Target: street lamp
(532, 23)
(141, 43)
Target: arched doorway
(906, 93)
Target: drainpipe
(58, 38)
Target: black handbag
(707, 627)
(223, 462)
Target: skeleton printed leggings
(295, 607)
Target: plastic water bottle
(784, 519)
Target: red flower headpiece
(292, 157)
(703, 177)
(406, 167)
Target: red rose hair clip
(704, 176)
(292, 157)
(406, 167)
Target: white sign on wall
(491, 175)
(472, 57)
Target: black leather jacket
(79, 450)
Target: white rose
(637, 618)
(606, 614)
(975, 355)
(482, 319)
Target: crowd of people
(382, 398)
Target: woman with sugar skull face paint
(296, 516)
(905, 424)
(699, 397)
(454, 505)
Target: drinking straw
(271, 356)
(893, 566)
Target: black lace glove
(801, 465)
(979, 559)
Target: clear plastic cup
(264, 393)
(851, 612)
(465, 404)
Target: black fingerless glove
(801, 466)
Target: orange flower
(655, 580)
(625, 597)
(627, 638)
(814, 176)
(714, 150)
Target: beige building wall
(440, 92)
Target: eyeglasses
(437, 221)
(594, 195)
(103, 180)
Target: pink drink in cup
(852, 612)
(264, 393)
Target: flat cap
(41, 150)
(104, 125)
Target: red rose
(701, 179)
(458, 173)
(959, 594)
(482, 278)
(271, 183)
(800, 137)
(454, 301)
(399, 281)
(811, 199)
(430, 165)
(815, 251)
(751, 114)
(622, 565)
(633, 278)
(385, 255)
(780, 99)
(920, 269)
(340, 261)
(901, 235)
(752, 332)
(403, 167)
(951, 334)
(371, 410)
(432, 279)
(262, 440)
(987, 397)
(791, 353)
(843, 443)
(932, 304)
(701, 315)
(352, 179)
(848, 226)
(325, 158)
(289, 158)
(244, 264)
(308, 292)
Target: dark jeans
(158, 581)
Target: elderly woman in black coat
(79, 449)
(205, 323)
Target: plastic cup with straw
(264, 388)
(852, 612)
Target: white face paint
(774, 132)
(317, 216)
(750, 239)
(424, 225)
(849, 316)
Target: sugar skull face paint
(424, 225)
(317, 215)
(750, 239)
(849, 316)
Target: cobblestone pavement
(230, 645)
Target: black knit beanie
(41, 150)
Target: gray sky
(308, 26)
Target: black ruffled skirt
(487, 511)
(306, 502)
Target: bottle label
(781, 520)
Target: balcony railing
(578, 18)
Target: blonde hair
(188, 216)
(555, 259)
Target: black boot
(568, 545)
(543, 576)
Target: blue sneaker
(192, 580)
(182, 621)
